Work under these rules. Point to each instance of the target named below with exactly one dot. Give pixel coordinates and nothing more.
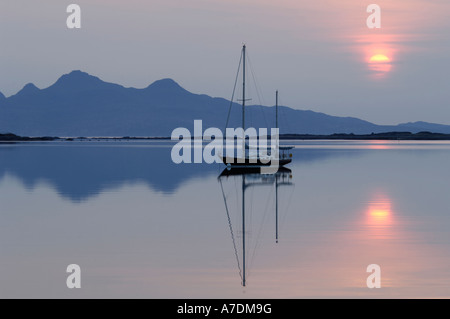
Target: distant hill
(79, 104)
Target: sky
(320, 55)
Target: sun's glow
(379, 58)
(379, 52)
(379, 62)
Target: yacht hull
(251, 162)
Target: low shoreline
(400, 136)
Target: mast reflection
(251, 177)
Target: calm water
(140, 226)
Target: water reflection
(79, 171)
(249, 178)
(379, 217)
(162, 230)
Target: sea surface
(140, 226)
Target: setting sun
(380, 64)
(379, 58)
(379, 52)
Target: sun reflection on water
(379, 218)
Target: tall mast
(276, 109)
(243, 101)
(243, 88)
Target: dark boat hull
(247, 162)
(249, 171)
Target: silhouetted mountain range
(79, 104)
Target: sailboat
(251, 177)
(247, 160)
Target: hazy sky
(317, 53)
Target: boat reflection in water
(250, 177)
